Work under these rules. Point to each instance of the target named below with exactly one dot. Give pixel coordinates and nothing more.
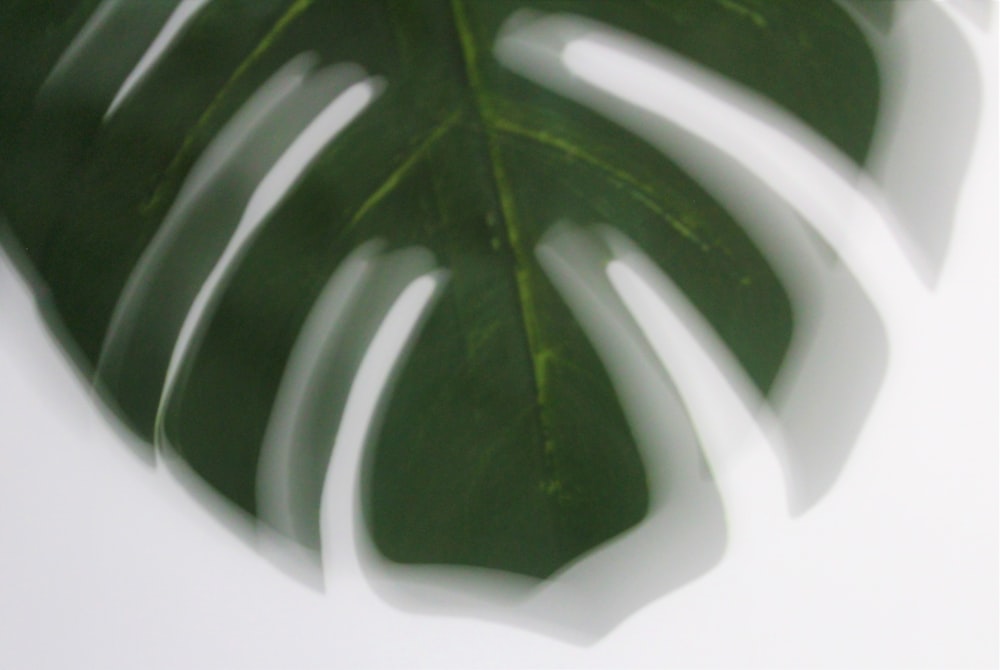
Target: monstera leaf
(223, 200)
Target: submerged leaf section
(501, 441)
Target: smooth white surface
(736, 449)
(181, 16)
(105, 563)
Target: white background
(106, 563)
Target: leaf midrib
(521, 254)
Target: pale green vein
(522, 255)
(756, 17)
(638, 190)
(400, 172)
(188, 146)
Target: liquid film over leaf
(502, 441)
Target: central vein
(521, 253)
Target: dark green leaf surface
(503, 443)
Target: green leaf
(502, 442)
